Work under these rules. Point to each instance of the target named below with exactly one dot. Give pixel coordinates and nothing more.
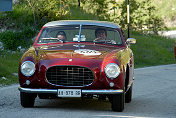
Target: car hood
(86, 51)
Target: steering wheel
(99, 39)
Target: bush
(12, 39)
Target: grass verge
(152, 50)
(9, 63)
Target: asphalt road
(154, 96)
(169, 34)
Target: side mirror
(131, 41)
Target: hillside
(167, 10)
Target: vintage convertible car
(86, 59)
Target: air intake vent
(69, 75)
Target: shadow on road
(74, 104)
(139, 105)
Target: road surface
(154, 96)
(169, 34)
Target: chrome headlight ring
(27, 68)
(112, 70)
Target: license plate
(69, 92)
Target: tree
(48, 10)
(97, 7)
(142, 16)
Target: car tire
(27, 99)
(128, 95)
(118, 102)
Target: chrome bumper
(54, 91)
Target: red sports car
(78, 59)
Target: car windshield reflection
(80, 33)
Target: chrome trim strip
(29, 90)
(118, 91)
(81, 22)
(54, 91)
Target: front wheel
(118, 102)
(27, 99)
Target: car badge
(87, 52)
(70, 60)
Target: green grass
(8, 65)
(152, 50)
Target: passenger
(61, 36)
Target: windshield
(80, 33)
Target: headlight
(112, 70)
(27, 68)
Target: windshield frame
(80, 29)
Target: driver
(61, 36)
(100, 34)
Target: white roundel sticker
(87, 52)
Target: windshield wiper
(56, 40)
(97, 40)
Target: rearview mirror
(76, 38)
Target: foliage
(77, 13)
(142, 13)
(167, 10)
(142, 16)
(97, 7)
(34, 13)
(47, 10)
(14, 39)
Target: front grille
(69, 75)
